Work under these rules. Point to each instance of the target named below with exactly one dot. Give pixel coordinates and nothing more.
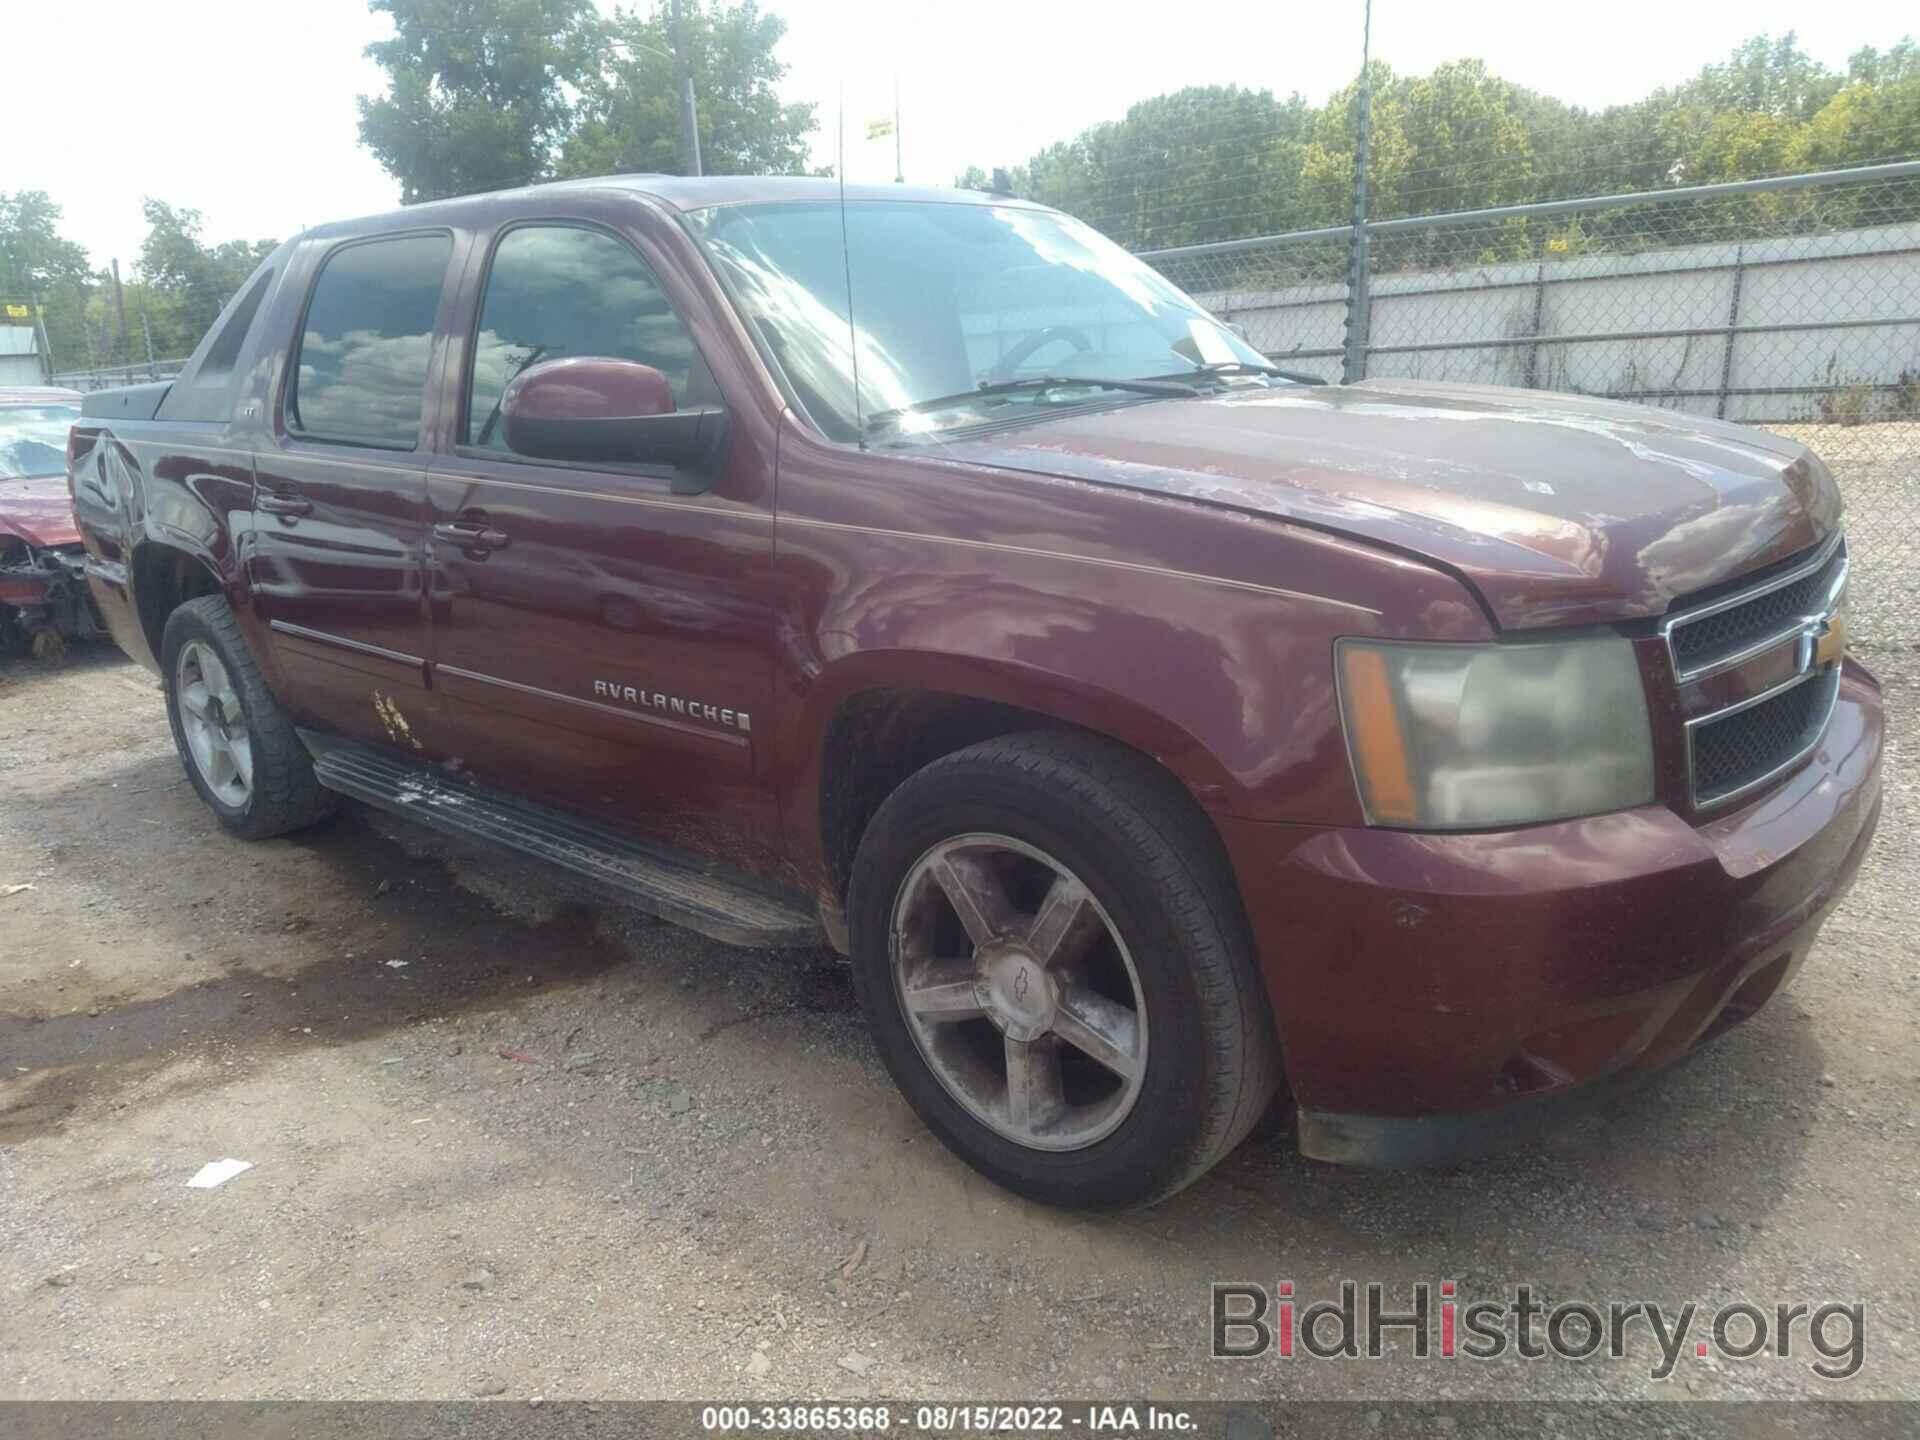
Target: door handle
(471, 535)
(287, 505)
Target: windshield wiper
(1037, 384)
(1245, 367)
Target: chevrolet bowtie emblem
(1832, 643)
(1823, 640)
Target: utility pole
(683, 73)
(899, 171)
(120, 308)
(1359, 299)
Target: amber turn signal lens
(1380, 749)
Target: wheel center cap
(1015, 990)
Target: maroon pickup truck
(918, 573)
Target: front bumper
(1438, 995)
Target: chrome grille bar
(1739, 748)
(1688, 668)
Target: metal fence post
(1812, 308)
(1532, 380)
(1733, 320)
(1359, 320)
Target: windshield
(949, 298)
(33, 439)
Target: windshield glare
(33, 439)
(949, 297)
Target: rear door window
(560, 290)
(361, 371)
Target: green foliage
(41, 268)
(487, 94)
(1177, 169)
(628, 116)
(1219, 163)
(477, 96)
(183, 282)
(171, 294)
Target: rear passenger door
(610, 652)
(341, 491)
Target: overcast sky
(244, 109)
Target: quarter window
(560, 290)
(361, 374)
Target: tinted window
(558, 290)
(362, 370)
(224, 353)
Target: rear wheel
(1056, 968)
(238, 745)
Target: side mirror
(619, 411)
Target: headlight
(1460, 737)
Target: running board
(685, 889)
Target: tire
(1198, 1061)
(281, 794)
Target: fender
(1197, 636)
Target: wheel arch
(164, 576)
(880, 717)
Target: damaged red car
(43, 593)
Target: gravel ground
(505, 1144)
(1878, 469)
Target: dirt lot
(506, 1144)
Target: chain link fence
(1791, 303)
(110, 376)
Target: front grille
(1740, 625)
(1734, 751)
(1741, 746)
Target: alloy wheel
(214, 724)
(1019, 991)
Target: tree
(1202, 163)
(1215, 163)
(1768, 77)
(628, 117)
(183, 282)
(1326, 171)
(477, 91)
(40, 267)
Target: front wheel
(1054, 963)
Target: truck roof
(676, 192)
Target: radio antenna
(846, 260)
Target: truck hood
(39, 511)
(1556, 509)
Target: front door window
(562, 290)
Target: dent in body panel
(151, 488)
